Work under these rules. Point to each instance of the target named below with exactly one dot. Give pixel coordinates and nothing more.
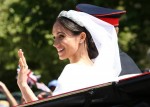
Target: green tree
(27, 24)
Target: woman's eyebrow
(60, 33)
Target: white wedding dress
(106, 65)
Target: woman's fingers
(21, 63)
(22, 60)
(19, 53)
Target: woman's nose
(55, 44)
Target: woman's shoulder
(71, 67)
(76, 66)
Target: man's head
(106, 14)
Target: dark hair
(76, 30)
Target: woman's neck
(84, 61)
(81, 57)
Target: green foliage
(27, 24)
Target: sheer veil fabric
(107, 63)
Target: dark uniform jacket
(127, 64)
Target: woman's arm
(26, 91)
(9, 96)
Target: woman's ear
(82, 37)
(117, 30)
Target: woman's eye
(61, 36)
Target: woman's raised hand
(27, 93)
(23, 73)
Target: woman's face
(65, 42)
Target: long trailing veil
(105, 38)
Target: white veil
(105, 39)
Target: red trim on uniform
(110, 14)
(112, 21)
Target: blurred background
(27, 24)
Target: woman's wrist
(22, 84)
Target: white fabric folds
(105, 38)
